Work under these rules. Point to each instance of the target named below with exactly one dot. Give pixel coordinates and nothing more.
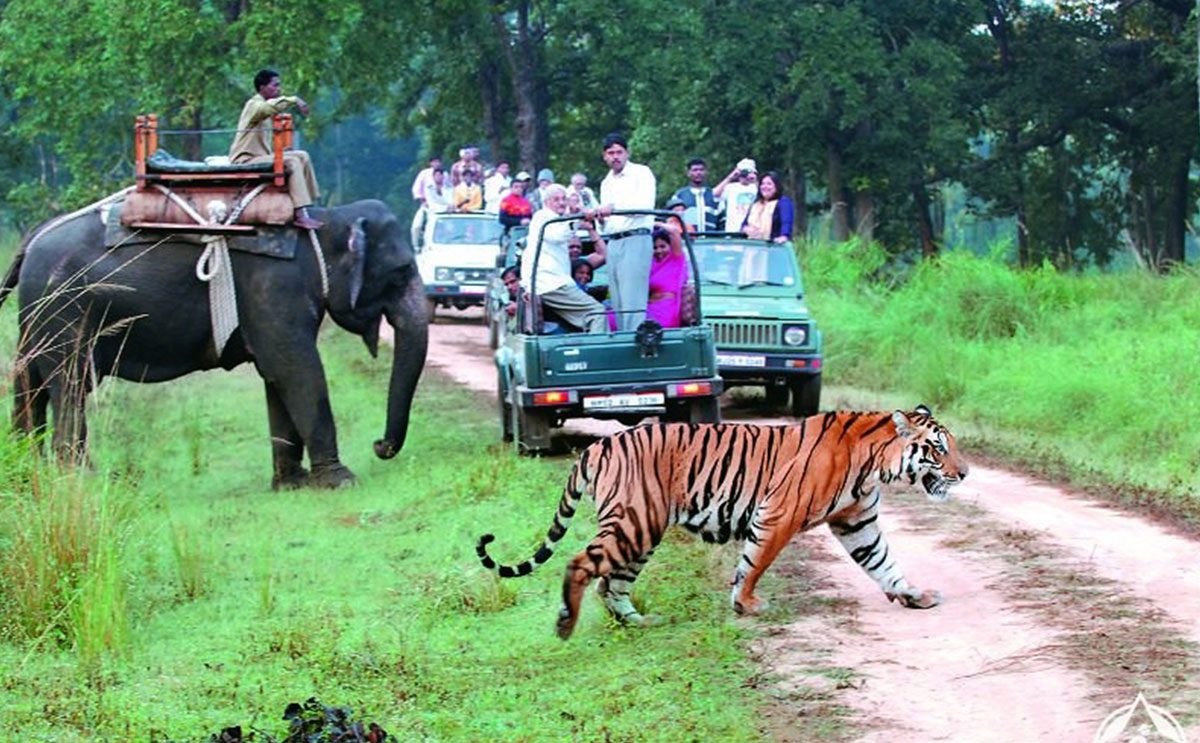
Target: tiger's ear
(904, 427)
(923, 410)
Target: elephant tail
(14, 272)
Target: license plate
(471, 289)
(741, 359)
(629, 400)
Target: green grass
(1090, 377)
(211, 601)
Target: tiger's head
(930, 453)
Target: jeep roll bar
(664, 213)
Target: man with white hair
(549, 249)
(587, 198)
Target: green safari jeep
(765, 335)
(548, 373)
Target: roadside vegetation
(1089, 376)
(169, 594)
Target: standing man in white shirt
(495, 187)
(630, 250)
(418, 193)
(439, 197)
(548, 249)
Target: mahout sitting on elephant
(138, 311)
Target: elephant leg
(305, 397)
(30, 399)
(287, 448)
(68, 398)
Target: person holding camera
(737, 192)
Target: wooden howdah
(147, 207)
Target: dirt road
(1058, 610)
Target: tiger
(757, 483)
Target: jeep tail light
(689, 389)
(553, 397)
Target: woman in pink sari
(668, 274)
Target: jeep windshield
(743, 263)
(481, 230)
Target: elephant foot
(332, 476)
(292, 479)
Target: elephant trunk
(410, 327)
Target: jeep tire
(806, 395)
(531, 429)
(506, 415)
(777, 395)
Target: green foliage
(372, 597)
(1075, 121)
(65, 537)
(1094, 369)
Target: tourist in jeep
(772, 214)
(515, 209)
(548, 251)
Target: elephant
(138, 312)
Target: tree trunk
(1175, 213)
(493, 109)
(864, 214)
(838, 208)
(522, 55)
(920, 197)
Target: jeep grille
(729, 333)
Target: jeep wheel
(704, 410)
(806, 396)
(777, 395)
(431, 304)
(493, 331)
(531, 428)
(506, 417)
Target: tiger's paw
(566, 623)
(917, 599)
(639, 621)
(749, 605)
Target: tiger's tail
(576, 485)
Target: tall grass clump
(1092, 369)
(62, 537)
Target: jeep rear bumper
(617, 400)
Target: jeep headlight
(795, 335)
(460, 276)
(441, 274)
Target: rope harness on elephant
(215, 268)
(58, 221)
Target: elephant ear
(358, 258)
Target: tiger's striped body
(761, 484)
